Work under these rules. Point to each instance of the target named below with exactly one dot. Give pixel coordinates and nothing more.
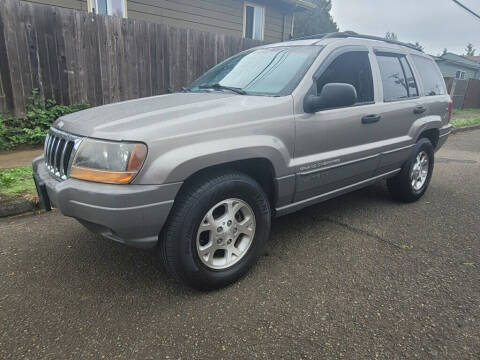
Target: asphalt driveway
(355, 277)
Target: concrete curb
(17, 207)
(465, 128)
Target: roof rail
(352, 34)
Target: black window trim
(329, 60)
(399, 55)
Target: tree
(391, 36)
(470, 50)
(315, 21)
(418, 46)
(444, 51)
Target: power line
(466, 9)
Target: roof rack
(352, 34)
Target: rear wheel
(217, 230)
(412, 182)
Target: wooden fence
(465, 93)
(73, 56)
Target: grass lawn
(17, 182)
(465, 117)
(461, 122)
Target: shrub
(32, 128)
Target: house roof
(301, 3)
(458, 60)
(475, 58)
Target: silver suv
(199, 174)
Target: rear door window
(432, 81)
(393, 78)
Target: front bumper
(130, 214)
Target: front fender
(181, 162)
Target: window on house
(254, 21)
(350, 68)
(110, 7)
(460, 75)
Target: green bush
(32, 128)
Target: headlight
(107, 161)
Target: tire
(401, 187)
(181, 239)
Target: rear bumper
(130, 214)
(444, 132)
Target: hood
(123, 120)
(161, 116)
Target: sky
(435, 24)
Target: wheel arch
(260, 169)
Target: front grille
(59, 149)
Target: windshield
(267, 71)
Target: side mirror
(333, 95)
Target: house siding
(225, 16)
(69, 4)
(220, 16)
(450, 70)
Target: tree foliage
(315, 21)
(391, 36)
(470, 50)
(419, 46)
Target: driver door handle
(370, 119)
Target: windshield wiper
(222, 87)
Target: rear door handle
(370, 119)
(419, 110)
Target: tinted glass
(249, 22)
(412, 85)
(393, 79)
(350, 68)
(102, 7)
(273, 71)
(433, 83)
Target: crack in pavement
(460, 161)
(368, 234)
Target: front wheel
(217, 230)
(412, 182)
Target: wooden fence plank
(12, 53)
(7, 89)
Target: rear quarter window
(430, 76)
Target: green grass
(17, 182)
(468, 121)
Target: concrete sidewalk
(18, 158)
